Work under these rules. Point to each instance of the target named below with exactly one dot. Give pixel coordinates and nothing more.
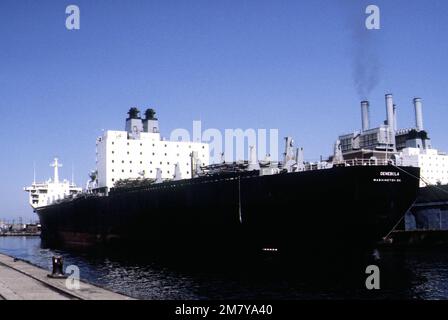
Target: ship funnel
(151, 123)
(395, 118)
(418, 114)
(390, 111)
(134, 123)
(365, 115)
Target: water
(411, 274)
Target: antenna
(34, 172)
(73, 174)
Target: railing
(347, 163)
(364, 162)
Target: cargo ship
(149, 192)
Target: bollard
(58, 268)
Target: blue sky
(231, 64)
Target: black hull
(342, 207)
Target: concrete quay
(20, 280)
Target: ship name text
(390, 173)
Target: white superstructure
(50, 191)
(433, 164)
(139, 152)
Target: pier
(20, 280)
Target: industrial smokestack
(395, 118)
(390, 111)
(418, 114)
(365, 115)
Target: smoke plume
(364, 51)
(366, 63)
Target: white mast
(73, 175)
(34, 172)
(56, 166)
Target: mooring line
(420, 178)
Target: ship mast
(73, 175)
(56, 167)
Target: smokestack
(390, 111)
(365, 115)
(418, 114)
(395, 117)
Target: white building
(433, 164)
(139, 152)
